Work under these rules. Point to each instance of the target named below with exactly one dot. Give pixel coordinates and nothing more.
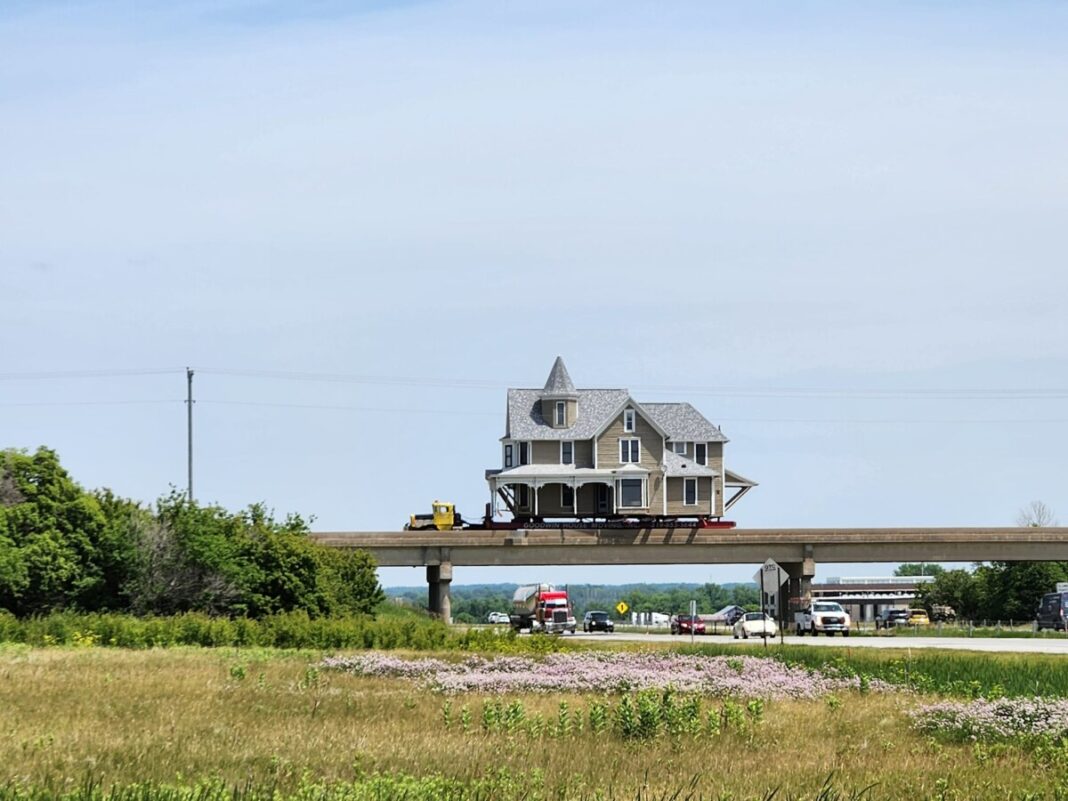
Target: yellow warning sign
(622, 607)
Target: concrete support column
(439, 583)
(797, 592)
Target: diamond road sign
(770, 575)
(622, 607)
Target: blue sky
(429, 201)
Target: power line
(88, 403)
(61, 374)
(814, 393)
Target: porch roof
(563, 474)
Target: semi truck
(542, 607)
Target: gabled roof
(559, 384)
(683, 422)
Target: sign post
(770, 575)
(693, 619)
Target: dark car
(1052, 611)
(686, 624)
(598, 621)
(892, 618)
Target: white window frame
(698, 460)
(572, 444)
(508, 460)
(643, 501)
(564, 503)
(560, 414)
(675, 443)
(630, 421)
(696, 492)
(628, 460)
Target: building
(600, 454)
(864, 598)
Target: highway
(1021, 645)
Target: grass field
(78, 717)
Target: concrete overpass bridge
(796, 550)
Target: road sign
(1062, 586)
(622, 607)
(771, 575)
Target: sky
(838, 229)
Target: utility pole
(189, 428)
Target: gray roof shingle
(595, 407)
(683, 422)
(559, 384)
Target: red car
(685, 624)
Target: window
(567, 496)
(628, 420)
(567, 452)
(524, 496)
(508, 455)
(630, 493)
(561, 413)
(679, 448)
(689, 492)
(700, 452)
(524, 453)
(630, 450)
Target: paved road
(1024, 645)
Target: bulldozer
(443, 517)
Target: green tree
(957, 588)
(58, 545)
(919, 569)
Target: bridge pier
(439, 582)
(797, 592)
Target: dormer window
(679, 448)
(628, 420)
(561, 413)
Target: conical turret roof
(559, 383)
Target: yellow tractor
(443, 518)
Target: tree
(58, 546)
(957, 588)
(919, 569)
(1036, 515)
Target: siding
(548, 412)
(675, 504)
(652, 454)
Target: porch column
(439, 583)
(535, 488)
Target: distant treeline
(471, 603)
(66, 548)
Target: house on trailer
(598, 453)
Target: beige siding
(548, 412)
(652, 448)
(584, 453)
(675, 499)
(546, 452)
(651, 456)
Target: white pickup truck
(822, 616)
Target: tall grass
(957, 673)
(260, 720)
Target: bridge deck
(703, 546)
